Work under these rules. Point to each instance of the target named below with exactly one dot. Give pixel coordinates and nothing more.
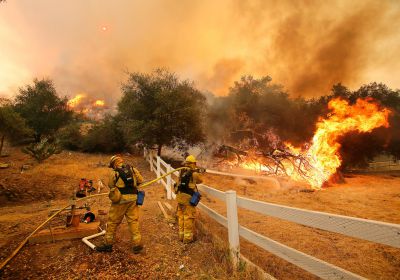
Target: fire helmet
(113, 159)
(190, 159)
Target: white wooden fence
(375, 231)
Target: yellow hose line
(59, 211)
(163, 176)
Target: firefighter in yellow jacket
(184, 191)
(123, 183)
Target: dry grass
(50, 184)
(47, 186)
(365, 196)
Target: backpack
(185, 178)
(128, 177)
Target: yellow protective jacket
(184, 198)
(113, 182)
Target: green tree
(12, 125)
(70, 136)
(42, 109)
(159, 109)
(105, 136)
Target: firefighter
(184, 192)
(123, 183)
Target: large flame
(321, 157)
(363, 116)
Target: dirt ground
(49, 186)
(27, 197)
(374, 197)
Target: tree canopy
(357, 149)
(44, 111)
(159, 109)
(105, 136)
(12, 125)
(259, 105)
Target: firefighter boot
(104, 248)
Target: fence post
(233, 227)
(169, 182)
(158, 171)
(151, 160)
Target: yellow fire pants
(186, 215)
(117, 212)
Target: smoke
(224, 72)
(88, 46)
(320, 47)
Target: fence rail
(379, 232)
(213, 192)
(313, 265)
(375, 231)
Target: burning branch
(318, 162)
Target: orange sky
(87, 46)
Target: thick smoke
(87, 46)
(321, 48)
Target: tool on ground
(15, 252)
(85, 187)
(88, 217)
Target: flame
(74, 102)
(99, 103)
(320, 160)
(87, 106)
(363, 116)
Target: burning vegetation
(317, 161)
(258, 126)
(89, 107)
(302, 139)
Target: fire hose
(15, 252)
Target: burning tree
(318, 161)
(260, 119)
(257, 105)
